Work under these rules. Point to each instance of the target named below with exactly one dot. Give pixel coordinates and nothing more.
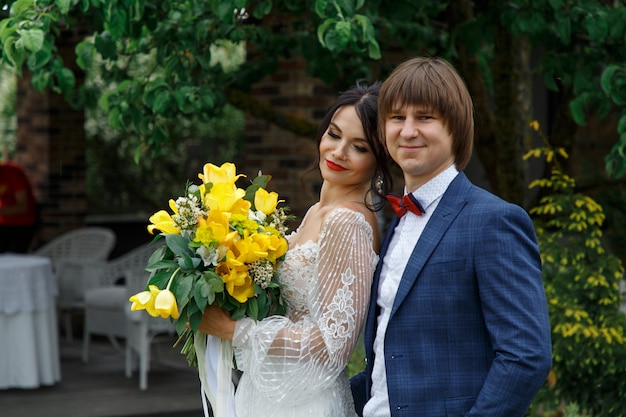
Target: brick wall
(50, 144)
(282, 154)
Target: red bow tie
(407, 202)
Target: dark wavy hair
(364, 98)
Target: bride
(295, 365)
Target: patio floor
(100, 388)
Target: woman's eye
(333, 135)
(360, 149)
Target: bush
(582, 286)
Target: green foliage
(117, 167)
(576, 46)
(7, 108)
(582, 285)
(182, 79)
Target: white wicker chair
(141, 330)
(105, 302)
(75, 257)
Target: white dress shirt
(405, 237)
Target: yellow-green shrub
(582, 285)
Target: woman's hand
(217, 322)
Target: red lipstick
(334, 166)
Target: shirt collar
(433, 189)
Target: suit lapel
(451, 204)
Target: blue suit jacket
(469, 333)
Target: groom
(458, 322)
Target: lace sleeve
(300, 358)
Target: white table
(29, 341)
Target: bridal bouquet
(222, 245)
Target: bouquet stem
(188, 348)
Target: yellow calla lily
(165, 304)
(266, 202)
(226, 173)
(162, 220)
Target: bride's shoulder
(349, 215)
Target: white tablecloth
(29, 345)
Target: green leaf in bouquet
(162, 264)
(250, 192)
(160, 279)
(263, 305)
(181, 287)
(253, 308)
(259, 182)
(195, 317)
(188, 263)
(158, 253)
(216, 284)
(178, 244)
(201, 293)
(239, 312)
(262, 180)
(181, 324)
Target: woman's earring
(379, 183)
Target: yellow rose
(266, 202)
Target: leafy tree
(7, 109)
(576, 47)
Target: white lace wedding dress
(295, 365)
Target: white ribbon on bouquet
(215, 366)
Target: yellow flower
(266, 202)
(212, 229)
(237, 281)
(534, 125)
(165, 304)
(223, 196)
(145, 300)
(241, 207)
(248, 250)
(227, 173)
(163, 221)
(277, 247)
